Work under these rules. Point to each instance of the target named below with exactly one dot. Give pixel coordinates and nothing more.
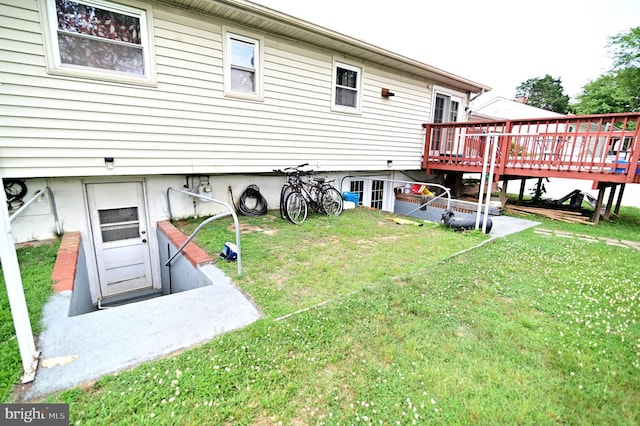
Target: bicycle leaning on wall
(300, 192)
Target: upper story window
(243, 67)
(347, 87)
(99, 39)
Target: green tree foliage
(608, 94)
(626, 53)
(619, 89)
(546, 93)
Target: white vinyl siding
(64, 126)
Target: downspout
(469, 111)
(482, 92)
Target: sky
(498, 43)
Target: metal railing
(52, 202)
(231, 212)
(602, 148)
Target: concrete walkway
(80, 349)
(506, 225)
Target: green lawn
(390, 326)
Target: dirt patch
(263, 229)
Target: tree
(546, 93)
(608, 94)
(626, 53)
(619, 89)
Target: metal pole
(490, 182)
(482, 180)
(15, 292)
(25, 205)
(484, 167)
(52, 202)
(222, 203)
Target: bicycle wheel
(284, 193)
(331, 201)
(295, 207)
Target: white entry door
(120, 236)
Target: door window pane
(439, 109)
(357, 186)
(377, 192)
(119, 232)
(119, 224)
(453, 115)
(126, 214)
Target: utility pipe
(38, 194)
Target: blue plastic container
(619, 163)
(351, 196)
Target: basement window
(99, 39)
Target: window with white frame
(347, 92)
(99, 39)
(243, 66)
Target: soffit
(273, 22)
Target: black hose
(259, 206)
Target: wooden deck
(600, 148)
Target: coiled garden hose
(252, 192)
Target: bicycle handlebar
(294, 170)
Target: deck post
(503, 192)
(596, 212)
(619, 201)
(523, 183)
(612, 193)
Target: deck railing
(602, 148)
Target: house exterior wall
(57, 126)
(36, 222)
(58, 129)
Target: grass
(287, 268)
(529, 329)
(36, 265)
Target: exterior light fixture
(386, 93)
(108, 161)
